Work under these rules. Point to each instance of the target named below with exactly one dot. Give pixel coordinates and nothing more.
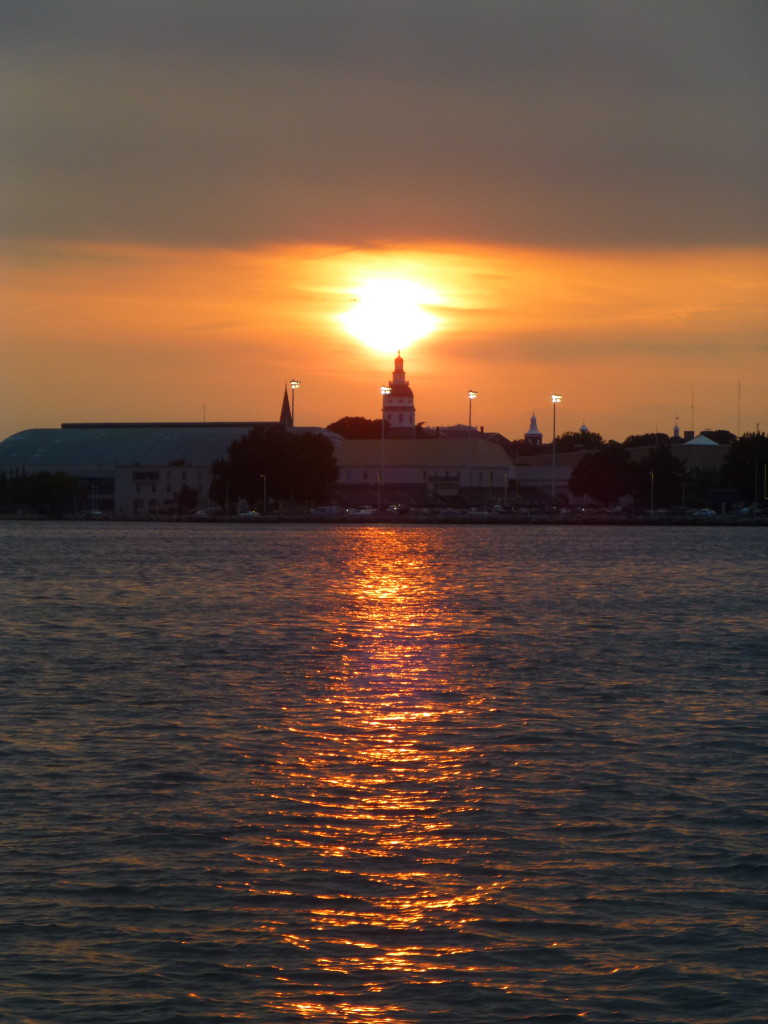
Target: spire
(533, 435)
(398, 377)
(286, 420)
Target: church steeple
(533, 435)
(286, 419)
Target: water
(377, 774)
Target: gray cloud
(602, 122)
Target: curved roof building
(85, 447)
(130, 468)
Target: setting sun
(389, 313)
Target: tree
(697, 485)
(42, 491)
(187, 498)
(658, 480)
(521, 447)
(646, 440)
(605, 475)
(356, 428)
(745, 466)
(577, 440)
(292, 466)
(719, 436)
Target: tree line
(302, 467)
(41, 492)
(609, 473)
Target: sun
(388, 313)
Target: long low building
(147, 468)
(127, 468)
(430, 469)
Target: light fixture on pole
(295, 385)
(385, 390)
(471, 395)
(555, 400)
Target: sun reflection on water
(375, 788)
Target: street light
(471, 395)
(555, 400)
(385, 390)
(295, 385)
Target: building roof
(443, 452)
(80, 446)
(702, 439)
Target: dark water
(379, 774)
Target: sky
(196, 194)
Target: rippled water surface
(377, 774)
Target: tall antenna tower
(738, 410)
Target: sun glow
(389, 313)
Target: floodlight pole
(555, 400)
(471, 395)
(385, 390)
(295, 385)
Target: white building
(398, 409)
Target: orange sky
(124, 332)
(191, 195)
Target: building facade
(424, 469)
(398, 408)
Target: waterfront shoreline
(459, 519)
